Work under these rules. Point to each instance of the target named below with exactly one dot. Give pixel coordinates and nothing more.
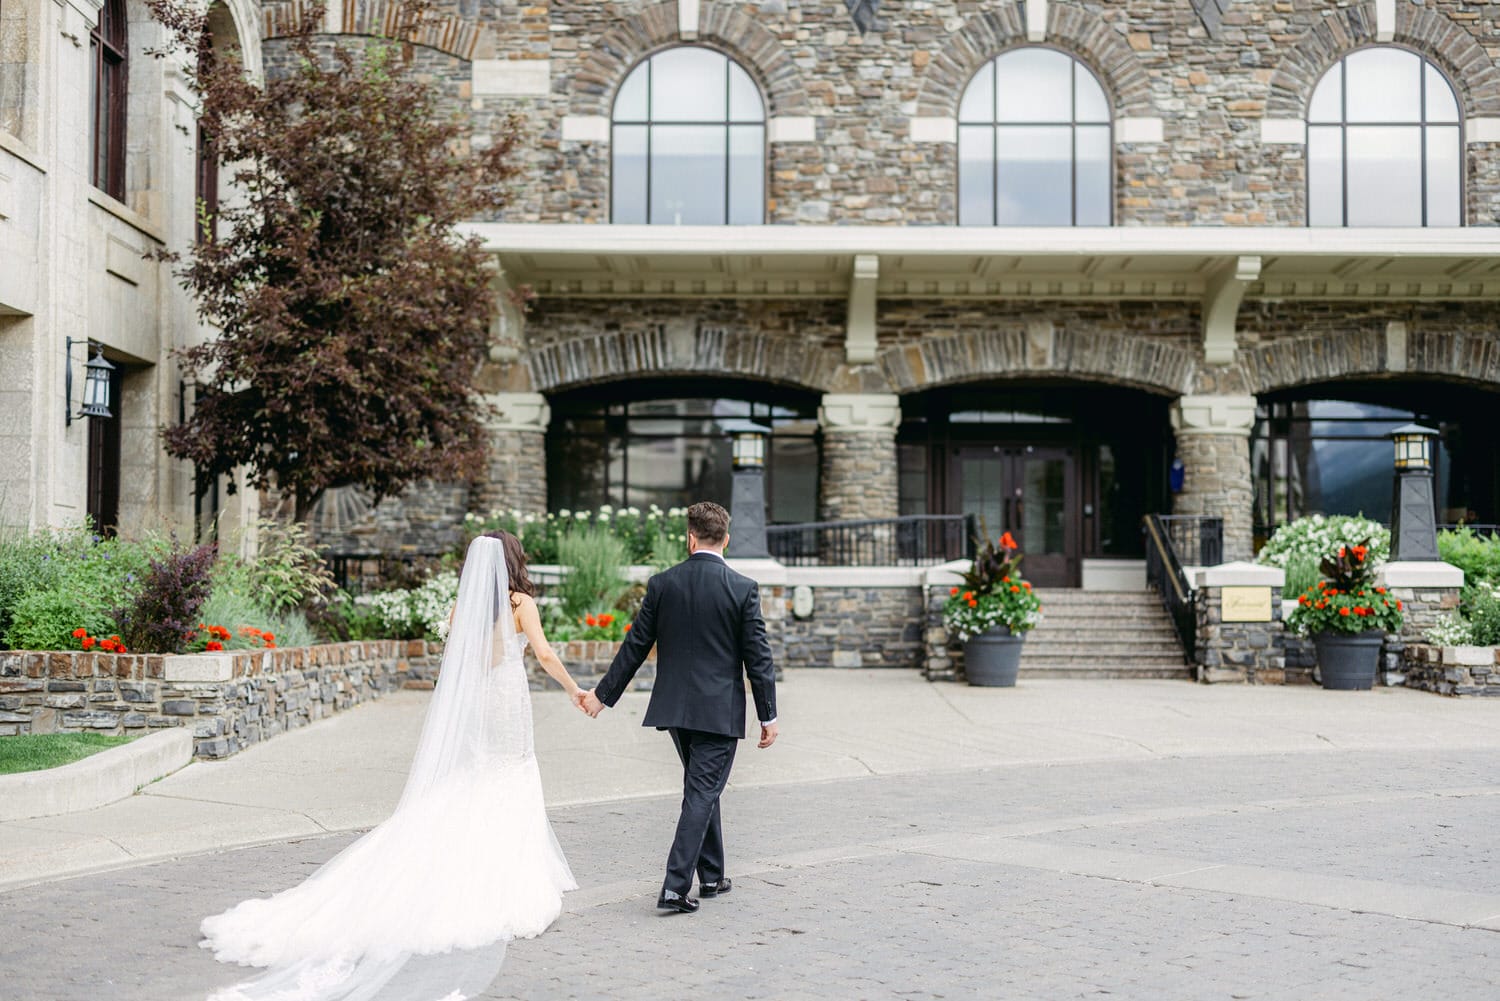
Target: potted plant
(1348, 617)
(991, 613)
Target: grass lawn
(32, 752)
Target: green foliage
(1481, 605)
(1478, 556)
(33, 752)
(235, 610)
(27, 563)
(1301, 573)
(344, 619)
(287, 571)
(653, 536)
(77, 581)
(1318, 536)
(594, 578)
(45, 620)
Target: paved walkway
(1062, 839)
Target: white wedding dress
(419, 908)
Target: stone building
(1004, 258)
(99, 168)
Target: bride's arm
(531, 625)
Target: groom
(705, 622)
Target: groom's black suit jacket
(705, 622)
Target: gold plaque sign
(1247, 604)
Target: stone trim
(792, 129)
(1482, 130)
(511, 77)
(456, 36)
(934, 129)
(585, 129)
(710, 351)
(1140, 129)
(1342, 30)
(1213, 415)
(852, 412)
(1299, 361)
(1147, 363)
(1069, 26)
(518, 412)
(655, 26)
(1283, 131)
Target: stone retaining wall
(1453, 670)
(231, 700)
(857, 627)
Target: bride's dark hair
(515, 563)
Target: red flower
(1006, 542)
(627, 627)
(1398, 604)
(213, 645)
(589, 620)
(968, 595)
(1380, 590)
(606, 620)
(1343, 552)
(80, 633)
(1014, 589)
(88, 642)
(1026, 584)
(1005, 580)
(950, 594)
(1344, 612)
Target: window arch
(1384, 143)
(109, 51)
(1035, 143)
(688, 143)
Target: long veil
(410, 910)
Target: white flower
(564, 513)
(580, 515)
(604, 516)
(605, 508)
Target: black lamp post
(95, 385)
(1413, 508)
(747, 503)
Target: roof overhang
(1172, 263)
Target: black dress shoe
(669, 901)
(715, 888)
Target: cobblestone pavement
(1332, 875)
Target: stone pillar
(1213, 442)
(1428, 590)
(515, 475)
(1243, 642)
(859, 455)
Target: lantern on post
(747, 505)
(1413, 506)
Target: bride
(420, 907)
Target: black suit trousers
(699, 842)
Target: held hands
(768, 733)
(588, 702)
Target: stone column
(859, 455)
(515, 476)
(1232, 645)
(1213, 442)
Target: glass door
(1030, 491)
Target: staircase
(1102, 634)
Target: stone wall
(1460, 670)
(1217, 482)
(857, 627)
(1239, 651)
(231, 700)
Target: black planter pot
(1348, 661)
(992, 659)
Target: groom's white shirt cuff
(720, 557)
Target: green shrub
(1477, 556)
(285, 573)
(27, 564)
(594, 578)
(45, 620)
(75, 577)
(1481, 605)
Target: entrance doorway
(1030, 491)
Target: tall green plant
(1477, 556)
(594, 559)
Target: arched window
(689, 142)
(107, 47)
(1384, 143)
(1034, 144)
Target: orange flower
(627, 627)
(606, 620)
(589, 620)
(1014, 589)
(270, 638)
(968, 595)
(88, 642)
(1343, 551)
(1380, 590)
(213, 646)
(1006, 542)
(80, 633)
(1026, 584)
(950, 594)
(1398, 604)
(973, 603)
(1344, 612)
(1005, 580)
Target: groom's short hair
(709, 522)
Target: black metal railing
(360, 572)
(916, 540)
(1197, 540)
(1164, 572)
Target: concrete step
(1178, 672)
(1082, 660)
(1103, 651)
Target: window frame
(109, 52)
(648, 124)
(1072, 126)
(1341, 67)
